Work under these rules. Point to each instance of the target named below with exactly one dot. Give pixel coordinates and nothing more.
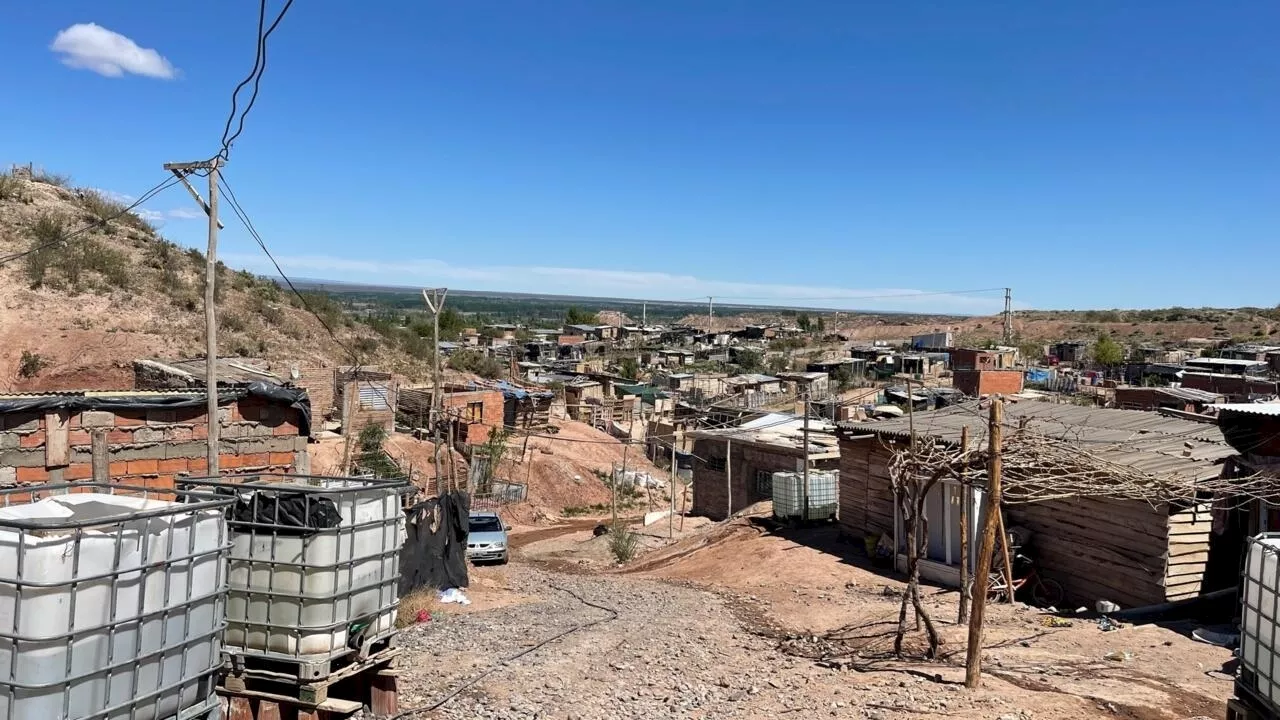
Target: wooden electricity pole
(710, 317)
(671, 516)
(966, 499)
(973, 658)
(435, 303)
(805, 440)
(728, 478)
(181, 170)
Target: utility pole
(805, 516)
(435, 303)
(710, 317)
(1008, 316)
(181, 170)
(966, 580)
(671, 515)
(644, 315)
(973, 657)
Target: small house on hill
(1117, 548)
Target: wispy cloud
(89, 46)
(618, 283)
(159, 216)
(185, 214)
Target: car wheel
(504, 559)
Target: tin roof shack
(1170, 398)
(1117, 548)
(365, 396)
(148, 438)
(816, 385)
(932, 341)
(977, 383)
(674, 357)
(753, 389)
(1253, 429)
(581, 394)
(1069, 352)
(1228, 366)
(1249, 351)
(696, 387)
(753, 452)
(1236, 388)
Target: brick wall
(987, 382)
(318, 382)
(1232, 386)
(147, 447)
(467, 430)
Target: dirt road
(735, 622)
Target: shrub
(623, 543)
(231, 322)
(11, 188)
(474, 362)
(31, 364)
(48, 178)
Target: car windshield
(486, 524)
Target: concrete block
(10, 441)
(56, 475)
(8, 476)
(148, 434)
(140, 452)
(186, 450)
(97, 418)
(257, 430)
(22, 458)
(300, 444)
(302, 462)
(224, 415)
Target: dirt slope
(83, 309)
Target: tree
(628, 367)
(749, 361)
(577, 316)
(779, 363)
(803, 321)
(843, 376)
(820, 325)
(1107, 352)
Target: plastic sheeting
(287, 513)
(435, 548)
(295, 398)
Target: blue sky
(1087, 154)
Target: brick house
(149, 438)
(475, 414)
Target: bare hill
(74, 314)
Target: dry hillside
(74, 314)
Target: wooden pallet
(301, 669)
(257, 694)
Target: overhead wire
(254, 76)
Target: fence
(501, 492)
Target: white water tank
(111, 606)
(310, 591)
(788, 495)
(1260, 620)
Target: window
(764, 484)
(714, 463)
(474, 412)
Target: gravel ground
(670, 651)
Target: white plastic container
(788, 495)
(111, 606)
(299, 595)
(1260, 619)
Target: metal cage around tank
(111, 602)
(313, 567)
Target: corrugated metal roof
(1250, 408)
(1147, 441)
(1223, 362)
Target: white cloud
(185, 214)
(618, 283)
(88, 46)
(149, 215)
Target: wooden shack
(1114, 548)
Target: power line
(254, 76)
(98, 223)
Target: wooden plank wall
(866, 495)
(1099, 548)
(1189, 531)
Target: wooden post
(973, 657)
(384, 698)
(728, 478)
(671, 516)
(1004, 548)
(966, 581)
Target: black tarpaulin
(435, 548)
(295, 398)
